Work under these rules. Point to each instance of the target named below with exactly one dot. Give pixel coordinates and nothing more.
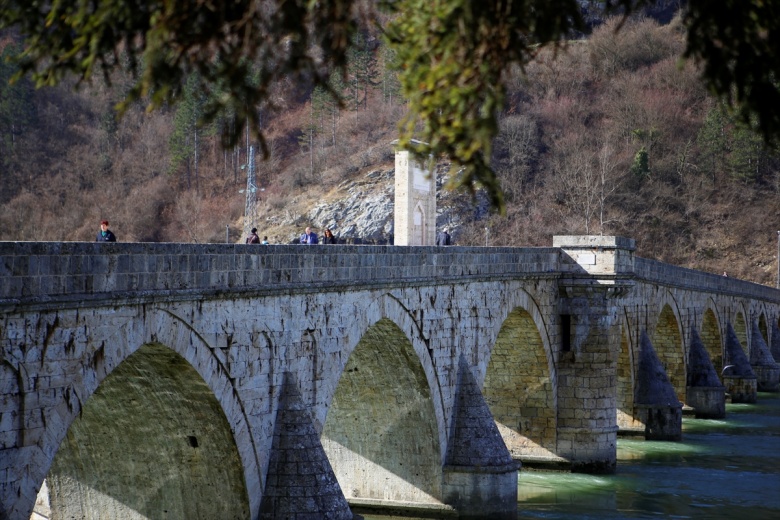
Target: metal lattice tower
(250, 211)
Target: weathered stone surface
(701, 373)
(304, 484)
(652, 385)
(704, 391)
(738, 375)
(475, 445)
(775, 349)
(655, 400)
(737, 364)
(72, 314)
(708, 402)
(763, 364)
(474, 439)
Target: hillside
(610, 136)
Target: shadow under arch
(519, 388)
(151, 442)
(762, 326)
(381, 434)
(668, 344)
(626, 379)
(711, 337)
(740, 327)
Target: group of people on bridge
(308, 237)
(253, 238)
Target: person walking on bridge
(309, 237)
(329, 237)
(443, 238)
(105, 234)
(253, 238)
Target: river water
(722, 469)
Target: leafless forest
(613, 135)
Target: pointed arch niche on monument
(519, 388)
(152, 437)
(667, 341)
(381, 434)
(418, 226)
(712, 338)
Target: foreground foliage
(453, 56)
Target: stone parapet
(56, 273)
(669, 275)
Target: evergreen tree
(362, 71)
(324, 110)
(186, 135)
(391, 85)
(748, 154)
(307, 138)
(712, 141)
(641, 166)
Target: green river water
(722, 469)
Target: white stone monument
(415, 201)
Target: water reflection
(723, 469)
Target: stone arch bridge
(234, 381)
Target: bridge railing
(671, 275)
(50, 273)
(47, 273)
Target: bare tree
(577, 183)
(608, 181)
(516, 152)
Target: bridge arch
(152, 437)
(519, 382)
(159, 406)
(762, 324)
(740, 327)
(383, 433)
(626, 375)
(711, 336)
(668, 342)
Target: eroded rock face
(365, 211)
